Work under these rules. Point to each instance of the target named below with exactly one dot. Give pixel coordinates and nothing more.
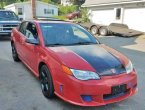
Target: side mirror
(32, 41)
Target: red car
(76, 14)
(73, 64)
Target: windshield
(66, 34)
(7, 16)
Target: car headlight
(129, 67)
(84, 75)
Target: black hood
(100, 59)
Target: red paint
(32, 55)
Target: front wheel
(14, 53)
(46, 82)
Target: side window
(31, 31)
(20, 11)
(22, 28)
(118, 13)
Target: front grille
(116, 91)
(8, 27)
(110, 96)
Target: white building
(130, 12)
(24, 9)
(66, 2)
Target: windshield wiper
(78, 43)
(84, 43)
(52, 45)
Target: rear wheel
(46, 82)
(14, 53)
(103, 31)
(94, 30)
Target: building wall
(12, 8)
(43, 10)
(27, 11)
(102, 16)
(131, 14)
(135, 18)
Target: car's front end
(6, 27)
(108, 89)
(86, 72)
(83, 83)
(8, 21)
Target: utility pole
(33, 5)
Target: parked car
(73, 64)
(73, 15)
(8, 20)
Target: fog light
(86, 98)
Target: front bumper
(97, 92)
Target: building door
(135, 18)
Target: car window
(65, 34)
(31, 31)
(8, 16)
(22, 27)
(80, 34)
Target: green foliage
(84, 13)
(46, 1)
(7, 2)
(60, 17)
(63, 10)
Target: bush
(84, 13)
(63, 10)
(60, 17)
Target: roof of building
(28, 2)
(89, 3)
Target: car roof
(49, 21)
(5, 10)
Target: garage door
(102, 16)
(135, 18)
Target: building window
(20, 11)
(118, 13)
(49, 11)
(52, 11)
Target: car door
(32, 49)
(20, 36)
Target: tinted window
(31, 31)
(22, 27)
(8, 15)
(65, 34)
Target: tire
(94, 30)
(14, 53)
(46, 82)
(103, 31)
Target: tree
(1, 4)
(56, 1)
